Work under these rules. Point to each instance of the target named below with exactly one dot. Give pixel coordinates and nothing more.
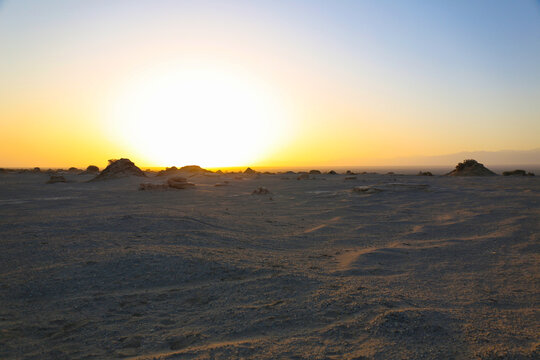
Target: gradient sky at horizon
(356, 82)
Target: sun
(205, 116)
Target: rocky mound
(119, 169)
(314, 172)
(470, 168)
(194, 169)
(168, 171)
(90, 170)
(424, 173)
(250, 171)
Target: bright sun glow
(198, 116)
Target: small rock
(261, 191)
(517, 173)
(150, 186)
(56, 179)
(179, 182)
(366, 189)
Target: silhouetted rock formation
(250, 171)
(119, 169)
(349, 172)
(56, 179)
(194, 169)
(179, 182)
(332, 172)
(36, 170)
(517, 173)
(90, 170)
(168, 171)
(314, 172)
(261, 191)
(470, 168)
(424, 173)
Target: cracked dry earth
(425, 268)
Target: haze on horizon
(266, 83)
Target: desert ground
(408, 267)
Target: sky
(265, 83)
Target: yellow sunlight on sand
(207, 116)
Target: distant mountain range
(488, 158)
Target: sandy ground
(311, 271)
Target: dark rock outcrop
(332, 172)
(314, 172)
(424, 173)
(470, 168)
(119, 169)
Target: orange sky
(264, 84)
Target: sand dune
(426, 268)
